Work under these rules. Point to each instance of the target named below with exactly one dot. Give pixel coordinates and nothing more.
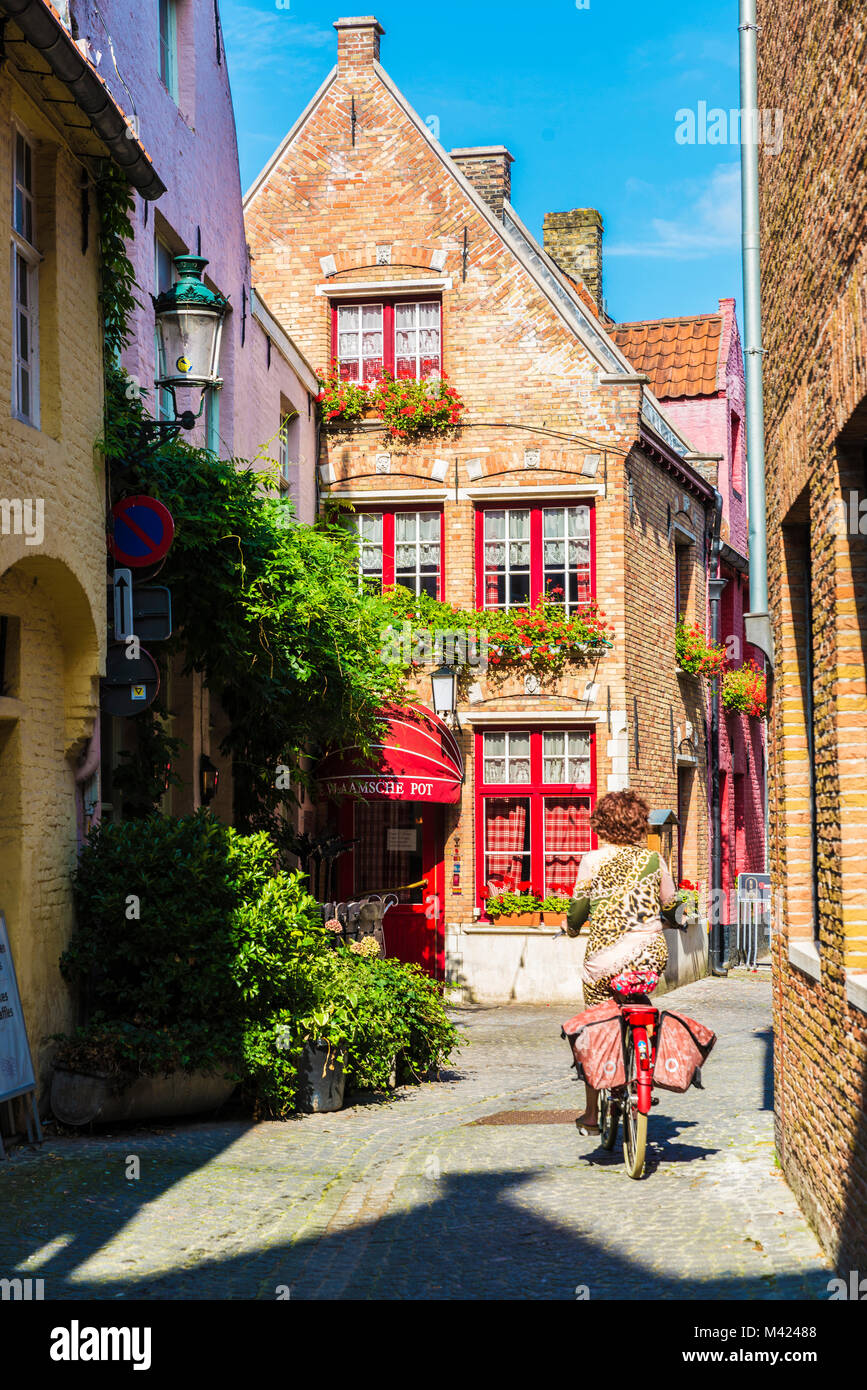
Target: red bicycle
(633, 1100)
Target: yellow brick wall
(56, 589)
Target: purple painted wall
(194, 148)
(715, 425)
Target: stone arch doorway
(51, 641)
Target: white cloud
(711, 222)
(256, 40)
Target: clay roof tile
(680, 355)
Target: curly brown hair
(621, 818)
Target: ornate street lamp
(189, 318)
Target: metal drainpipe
(757, 622)
(715, 587)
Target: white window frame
(287, 420)
(417, 544)
(507, 757)
(567, 735)
(508, 571)
(567, 538)
(358, 361)
(417, 305)
(168, 48)
(25, 251)
(355, 522)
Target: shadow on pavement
(475, 1241)
(76, 1192)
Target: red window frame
(536, 790)
(388, 562)
(388, 304)
(537, 559)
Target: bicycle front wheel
(634, 1123)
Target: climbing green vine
(117, 276)
(266, 607)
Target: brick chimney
(358, 42)
(489, 170)
(574, 240)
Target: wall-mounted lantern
(209, 780)
(189, 319)
(444, 691)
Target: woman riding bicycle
(623, 888)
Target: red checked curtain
(507, 842)
(567, 839)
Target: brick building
(365, 232)
(813, 198)
(57, 122)
(696, 369)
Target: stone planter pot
(517, 919)
(78, 1098)
(554, 919)
(322, 1081)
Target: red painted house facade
(376, 246)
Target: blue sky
(584, 98)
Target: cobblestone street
(411, 1200)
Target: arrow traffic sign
(142, 532)
(123, 618)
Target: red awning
(418, 760)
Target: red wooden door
(399, 849)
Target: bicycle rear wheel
(609, 1119)
(634, 1123)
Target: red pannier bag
(596, 1037)
(682, 1046)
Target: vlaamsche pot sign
(16, 1064)
(384, 788)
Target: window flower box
(511, 909)
(408, 409)
(745, 691)
(554, 909)
(694, 654)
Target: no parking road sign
(142, 533)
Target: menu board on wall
(16, 1063)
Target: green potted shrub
(185, 938)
